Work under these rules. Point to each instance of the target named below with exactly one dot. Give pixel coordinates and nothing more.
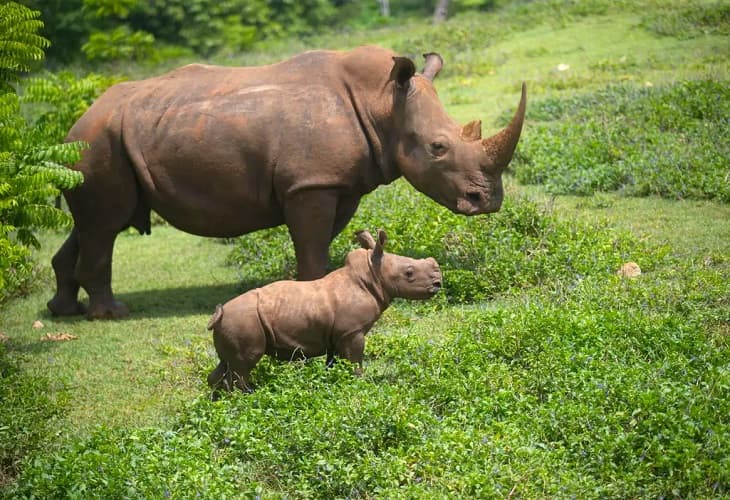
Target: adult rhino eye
(438, 148)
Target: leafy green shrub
(691, 20)
(605, 388)
(521, 246)
(55, 101)
(32, 163)
(20, 45)
(666, 141)
(28, 414)
(118, 44)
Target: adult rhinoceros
(221, 151)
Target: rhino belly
(205, 177)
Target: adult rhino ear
(403, 70)
(472, 131)
(433, 64)
(365, 239)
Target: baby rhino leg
(240, 341)
(352, 348)
(217, 379)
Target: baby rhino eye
(438, 148)
(409, 273)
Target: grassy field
(539, 373)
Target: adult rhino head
(224, 151)
(450, 163)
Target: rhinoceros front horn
(433, 65)
(501, 146)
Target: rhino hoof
(60, 307)
(116, 310)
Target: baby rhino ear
(365, 239)
(378, 250)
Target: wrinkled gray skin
(302, 319)
(220, 151)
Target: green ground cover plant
(663, 140)
(537, 373)
(609, 388)
(32, 408)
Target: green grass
(129, 372)
(539, 373)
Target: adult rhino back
(221, 151)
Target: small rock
(648, 84)
(562, 67)
(37, 324)
(629, 270)
(3, 337)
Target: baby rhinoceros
(302, 319)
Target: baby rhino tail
(217, 315)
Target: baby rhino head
(401, 276)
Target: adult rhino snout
(481, 201)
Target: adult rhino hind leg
(107, 202)
(94, 272)
(65, 302)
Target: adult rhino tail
(217, 315)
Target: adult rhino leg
(94, 273)
(65, 302)
(345, 210)
(310, 217)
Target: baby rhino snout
(436, 278)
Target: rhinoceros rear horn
(433, 65)
(501, 146)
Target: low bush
(667, 141)
(521, 246)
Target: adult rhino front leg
(310, 217)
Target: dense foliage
(32, 159)
(660, 140)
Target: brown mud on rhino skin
(330, 316)
(224, 151)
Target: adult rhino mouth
(435, 287)
(475, 202)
